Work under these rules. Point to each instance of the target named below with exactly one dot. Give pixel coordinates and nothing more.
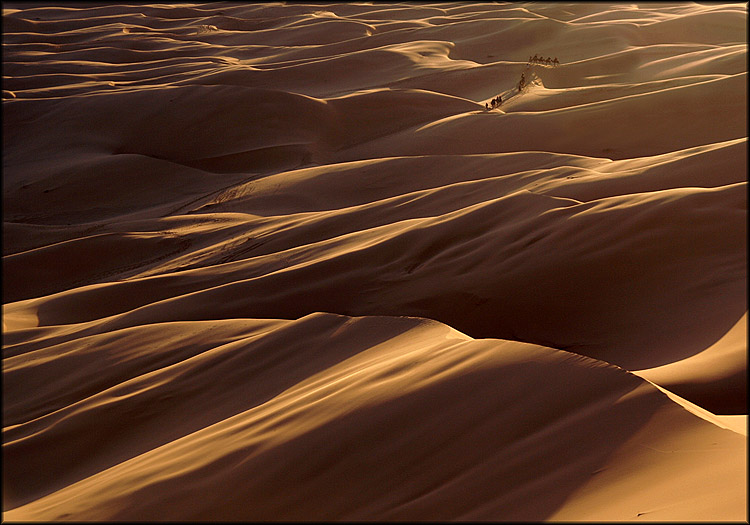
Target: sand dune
(353, 439)
(279, 262)
(715, 377)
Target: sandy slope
(325, 417)
(272, 262)
(698, 377)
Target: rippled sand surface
(286, 262)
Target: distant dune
(269, 262)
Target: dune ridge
(406, 362)
(281, 262)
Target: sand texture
(281, 262)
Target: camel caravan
(494, 103)
(535, 60)
(543, 62)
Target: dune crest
(503, 433)
(392, 262)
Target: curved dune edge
(724, 362)
(421, 422)
(535, 312)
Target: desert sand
(285, 261)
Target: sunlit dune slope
(714, 378)
(292, 261)
(526, 264)
(332, 417)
